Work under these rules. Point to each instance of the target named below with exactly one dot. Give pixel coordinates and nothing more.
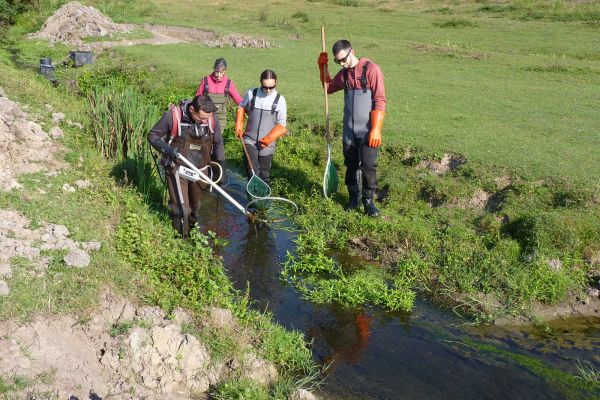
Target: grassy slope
(529, 105)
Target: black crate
(81, 57)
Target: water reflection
(342, 338)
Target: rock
(593, 292)
(302, 394)
(4, 289)
(259, 370)
(56, 133)
(181, 317)
(77, 258)
(151, 315)
(5, 270)
(68, 188)
(555, 264)
(166, 340)
(57, 117)
(83, 184)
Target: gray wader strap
(205, 83)
(363, 78)
(253, 101)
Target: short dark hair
(220, 63)
(268, 74)
(203, 102)
(340, 45)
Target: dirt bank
(74, 22)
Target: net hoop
(251, 183)
(294, 209)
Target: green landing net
(257, 188)
(331, 179)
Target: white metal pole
(214, 185)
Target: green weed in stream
(322, 281)
(573, 386)
(588, 372)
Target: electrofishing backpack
(178, 115)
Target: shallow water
(426, 354)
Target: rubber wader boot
(370, 209)
(353, 197)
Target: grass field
(519, 93)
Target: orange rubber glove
(277, 132)
(376, 124)
(239, 122)
(323, 68)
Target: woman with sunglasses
(220, 88)
(267, 114)
(364, 108)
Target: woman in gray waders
(267, 113)
(220, 88)
(189, 129)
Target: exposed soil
(448, 163)
(73, 22)
(24, 145)
(119, 352)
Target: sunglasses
(343, 60)
(268, 87)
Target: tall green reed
(120, 119)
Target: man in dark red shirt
(364, 108)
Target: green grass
(518, 119)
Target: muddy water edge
(426, 354)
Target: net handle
(325, 86)
(214, 185)
(247, 156)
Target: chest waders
(358, 104)
(260, 122)
(360, 159)
(194, 142)
(220, 100)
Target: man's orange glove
(239, 122)
(323, 68)
(376, 124)
(277, 132)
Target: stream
(429, 353)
